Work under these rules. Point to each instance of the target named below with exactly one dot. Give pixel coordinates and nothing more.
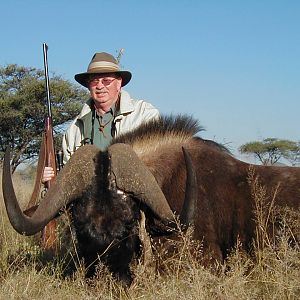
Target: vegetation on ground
(272, 271)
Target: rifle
(49, 232)
(47, 158)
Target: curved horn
(131, 175)
(70, 182)
(187, 215)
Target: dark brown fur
(225, 208)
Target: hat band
(103, 64)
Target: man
(109, 112)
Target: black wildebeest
(145, 170)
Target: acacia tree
(271, 150)
(23, 109)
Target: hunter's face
(105, 89)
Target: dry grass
(273, 271)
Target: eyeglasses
(106, 81)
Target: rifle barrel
(45, 50)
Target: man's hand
(48, 174)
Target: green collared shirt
(99, 129)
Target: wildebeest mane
(166, 129)
(164, 126)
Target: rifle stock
(50, 152)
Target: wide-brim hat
(102, 63)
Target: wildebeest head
(78, 178)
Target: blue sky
(234, 65)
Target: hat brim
(82, 77)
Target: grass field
(272, 272)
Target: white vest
(132, 114)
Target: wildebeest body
(106, 211)
(226, 206)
